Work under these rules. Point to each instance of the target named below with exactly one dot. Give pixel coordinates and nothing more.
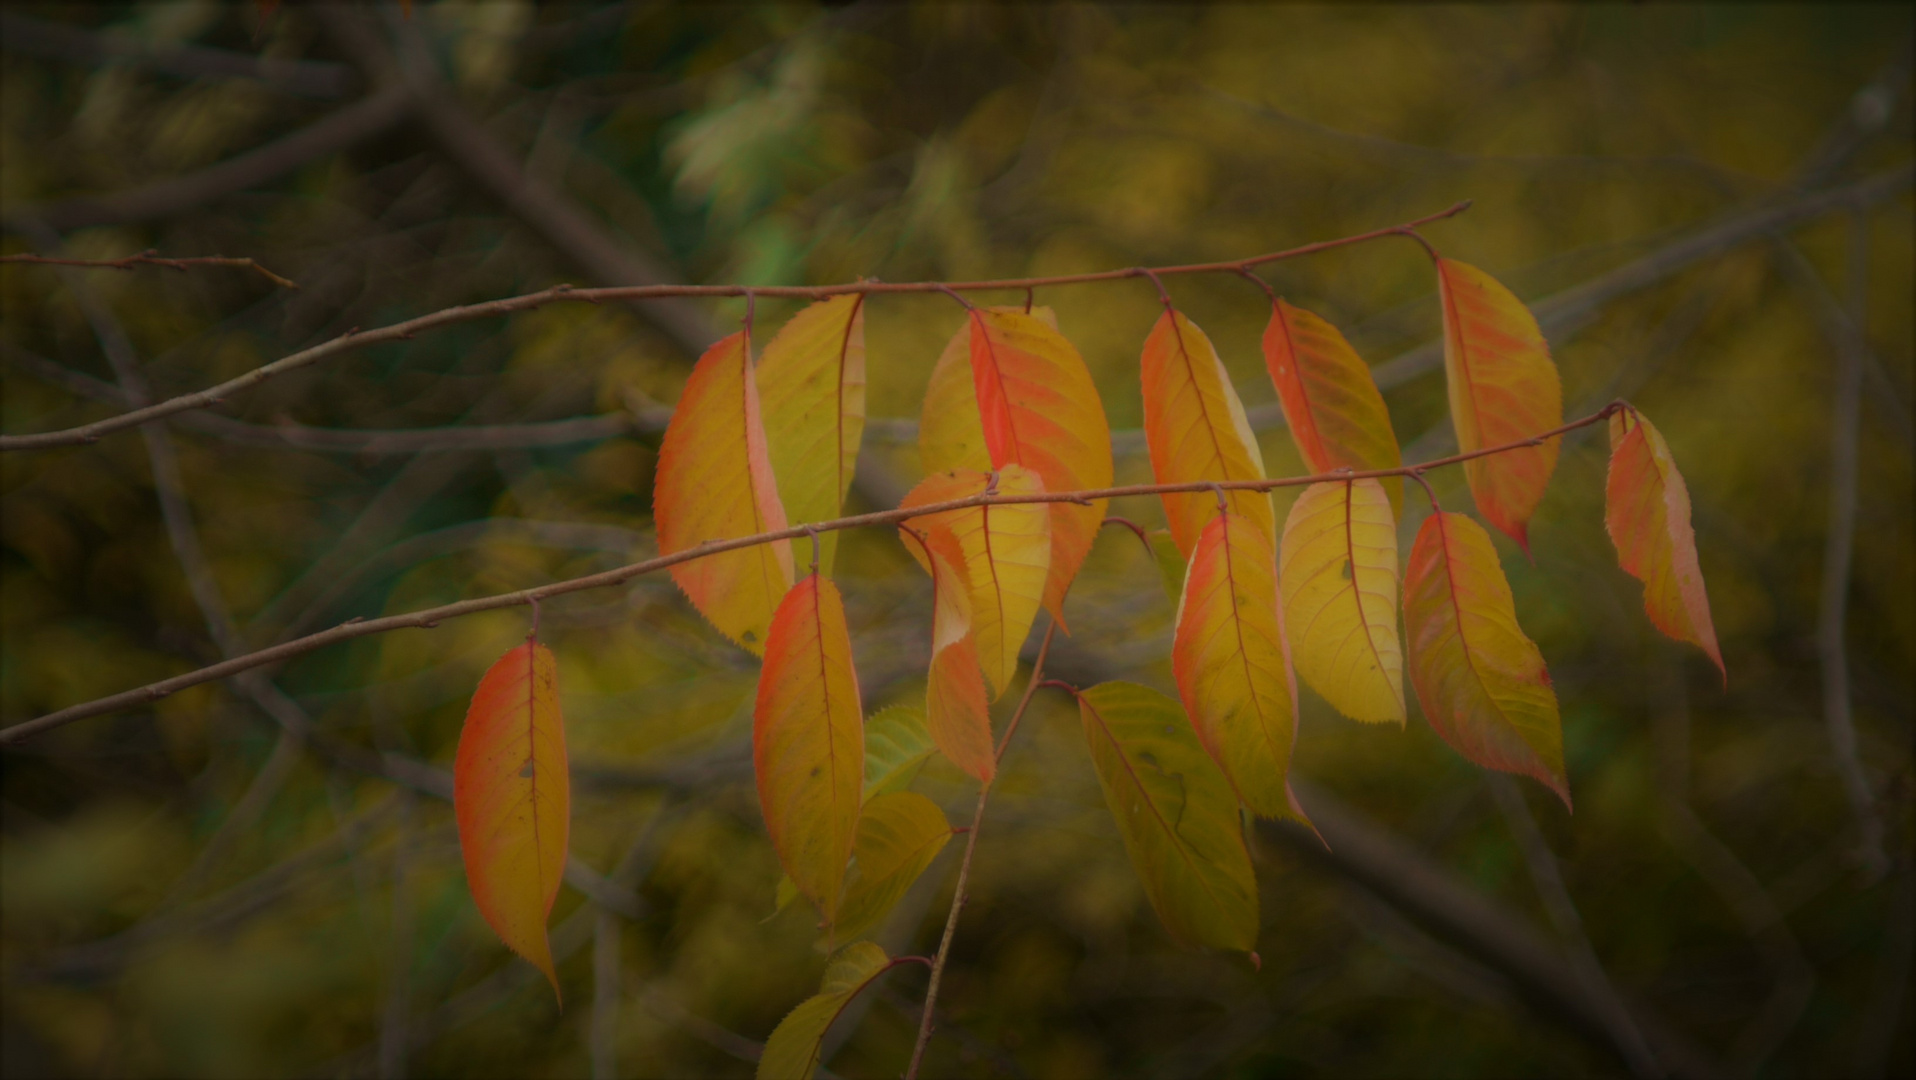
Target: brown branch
(353, 124)
(509, 305)
(153, 258)
(304, 78)
(430, 617)
(964, 866)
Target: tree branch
(353, 124)
(429, 617)
(508, 305)
(303, 78)
(153, 258)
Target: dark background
(257, 878)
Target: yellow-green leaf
(808, 741)
(1196, 428)
(1170, 562)
(811, 388)
(1176, 813)
(897, 745)
(715, 483)
(1481, 681)
(792, 1051)
(1339, 579)
(1233, 666)
(898, 836)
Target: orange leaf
(1481, 682)
(715, 483)
(811, 388)
(1040, 409)
(1001, 553)
(1339, 573)
(512, 798)
(1647, 512)
(1503, 388)
(956, 711)
(1233, 664)
(1331, 404)
(1197, 430)
(808, 741)
(950, 434)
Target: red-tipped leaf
(1647, 513)
(512, 797)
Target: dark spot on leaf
(748, 637)
(1344, 571)
(526, 772)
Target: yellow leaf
(896, 746)
(1339, 579)
(1233, 665)
(808, 741)
(715, 483)
(1001, 552)
(811, 387)
(1196, 429)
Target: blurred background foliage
(261, 878)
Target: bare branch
(347, 127)
(153, 258)
(303, 78)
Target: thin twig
(964, 866)
(153, 258)
(508, 305)
(430, 617)
(1547, 876)
(1839, 545)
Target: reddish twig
(432, 616)
(87, 433)
(964, 865)
(154, 258)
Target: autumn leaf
(1331, 404)
(1233, 665)
(1196, 429)
(811, 388)
(1002, 553)
(511, 794)
(897, 745)
(1481, 682)
(792, 1051)
(808, 741)
(956, 712)
(715, 483)
(1040, 409)
(898, 836)
(1503, 388)
(1338, 573)
(1176, 813)
(1647, 513)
